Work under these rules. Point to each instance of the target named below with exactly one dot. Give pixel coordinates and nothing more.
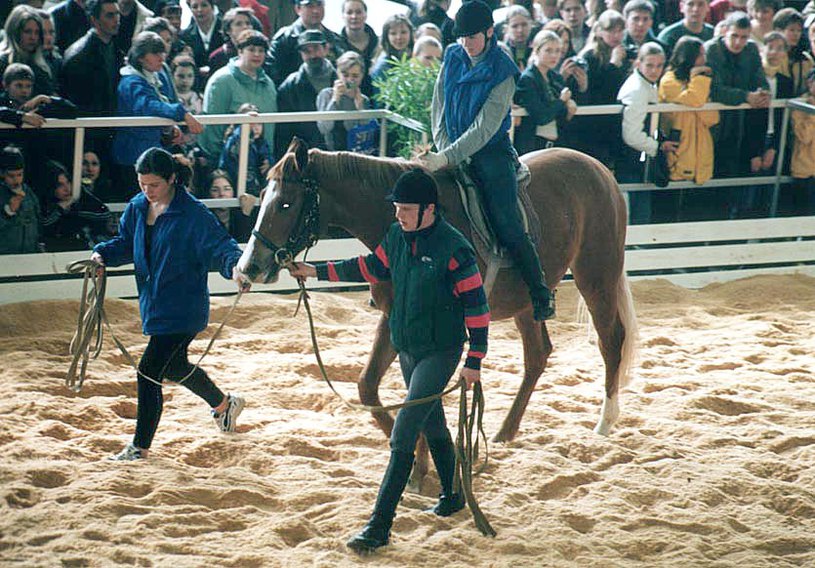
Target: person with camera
(346, 95)
(470, 119)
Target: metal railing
(79, 126)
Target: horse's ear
(299, 148)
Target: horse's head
(288, 221)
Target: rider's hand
(433, 161)
(244, 284)
(302, 270)
(470, 376)
(97, 258)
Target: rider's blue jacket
(172, 275)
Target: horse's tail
(628, 318)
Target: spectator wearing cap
(133, 14)
(142, 93)
(243, 80)
(203, 34)
(284, 57)
(470, 120)
(420, 253)
(358, 36)
(170, 9)
(71, 21)
(19, 208)
(235, 21)
(298, 93)
(90, 69)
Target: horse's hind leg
(612, 311)
(382, 355)
(537, 348)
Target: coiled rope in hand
(87, 341)
(466, 446)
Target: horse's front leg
(382, 355)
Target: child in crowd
(542, 93)
(184, 74)
(774, 59)
(18, 86)
(687, 82)
(427, 51)
(799, 197)
(19, 208)
(518, 34)
(639, 91)
(790, 22)
(260, 153)
(68, 223)
(239, 221)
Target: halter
(306, 230)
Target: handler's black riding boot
(444, 458)
(543, 300)
(377, 532)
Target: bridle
(306, 230)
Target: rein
(467, 445)
(92, 316)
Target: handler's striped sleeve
(467, 285)
(371, 268)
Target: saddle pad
(483, 235)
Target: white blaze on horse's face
(256, 259)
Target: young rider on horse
(437, 292)
(470, 116)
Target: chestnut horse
(583, 224)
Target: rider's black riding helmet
(473, 17)
(414, 186)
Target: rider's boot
(543, 300)
(376, 533)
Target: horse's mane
(363, 170)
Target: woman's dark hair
(53, 170)
(684, 56)
(144, 44)
(159, 162)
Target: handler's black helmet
(414, 186)
(473, 17)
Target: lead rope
(465, 448)
(92, 316)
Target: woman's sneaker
(130, 453)
(227, 419)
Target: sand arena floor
(712, 463)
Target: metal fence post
(243, 158)
(779, 167)
(79, 150)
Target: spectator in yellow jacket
(687, 82)
(799, 197)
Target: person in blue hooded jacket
(172, 239)
(141, 92)
(470, 119)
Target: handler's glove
(432, 161)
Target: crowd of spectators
(109, 58)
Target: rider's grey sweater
(486, 124)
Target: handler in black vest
(438, 303)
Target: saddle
(483, 236)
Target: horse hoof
(603, 428)
(504, 436)
(414, 486)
